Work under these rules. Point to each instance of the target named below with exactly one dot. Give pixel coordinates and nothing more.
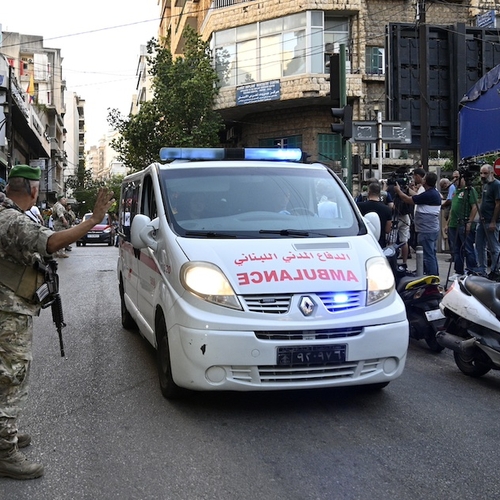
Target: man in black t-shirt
(373, 204)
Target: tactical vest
(23, 280)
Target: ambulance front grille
(271, 304)
(280, 375)
(280, 304)
(306, 335)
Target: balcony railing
(220, 4)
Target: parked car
(100, 233)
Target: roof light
(276, 154)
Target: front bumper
(239, 360)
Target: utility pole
(345, 145)
(379, 144)
(424, 80)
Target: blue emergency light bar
(272, 154)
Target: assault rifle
(48, 295)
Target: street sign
(397, 132)
(496, 166)
(364, 131)
(393, 132)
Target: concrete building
(143, 87)
(32, 109)
(271, 57)
(74, 123)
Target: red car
(100, 233)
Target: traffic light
(344, 126)
(334, 77)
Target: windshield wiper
(210, 234)
(285, 232)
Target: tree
(180, 113)
(85, 190)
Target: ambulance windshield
(257, 201)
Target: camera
(403, 179)
(469, 169)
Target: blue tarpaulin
(479, 116)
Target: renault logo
(306, 306)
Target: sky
(100, 44)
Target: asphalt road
(103, 430)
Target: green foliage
(180, 113)
(85, 190)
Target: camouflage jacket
(22, 241)
(58, 213)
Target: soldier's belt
(24, 281)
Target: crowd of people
(417, 213)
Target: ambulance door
(128, 259)
(149, 276)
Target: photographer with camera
(401, 216)
(488, 229)
(460, 227)
(427, 212)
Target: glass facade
(291, 45)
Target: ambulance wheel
(127, 321)
(168, 387)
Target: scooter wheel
(433, 344)
(470, 366)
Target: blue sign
(258, 92)
(486, 20)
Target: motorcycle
(472, 330)
(421, 297)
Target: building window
(291, 141)
(336, 32)
(329, 147)
(375, 60)
(268, 50)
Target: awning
(479, 116)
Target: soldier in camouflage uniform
(59, 216)
(22, 244)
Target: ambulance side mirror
(373, 222)
(142, 232)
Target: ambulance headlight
(380, 279)
(209, 283)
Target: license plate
(311, 355)
(434, 315)
(93, 235)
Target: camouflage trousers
(16, 333)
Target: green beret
(25, 171)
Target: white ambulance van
(248, 270)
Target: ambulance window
(148, 202)
(128, 207)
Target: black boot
(15, 465)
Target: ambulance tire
(168, 387)
(127, 321)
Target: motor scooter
(421, 297)
(472, 330)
